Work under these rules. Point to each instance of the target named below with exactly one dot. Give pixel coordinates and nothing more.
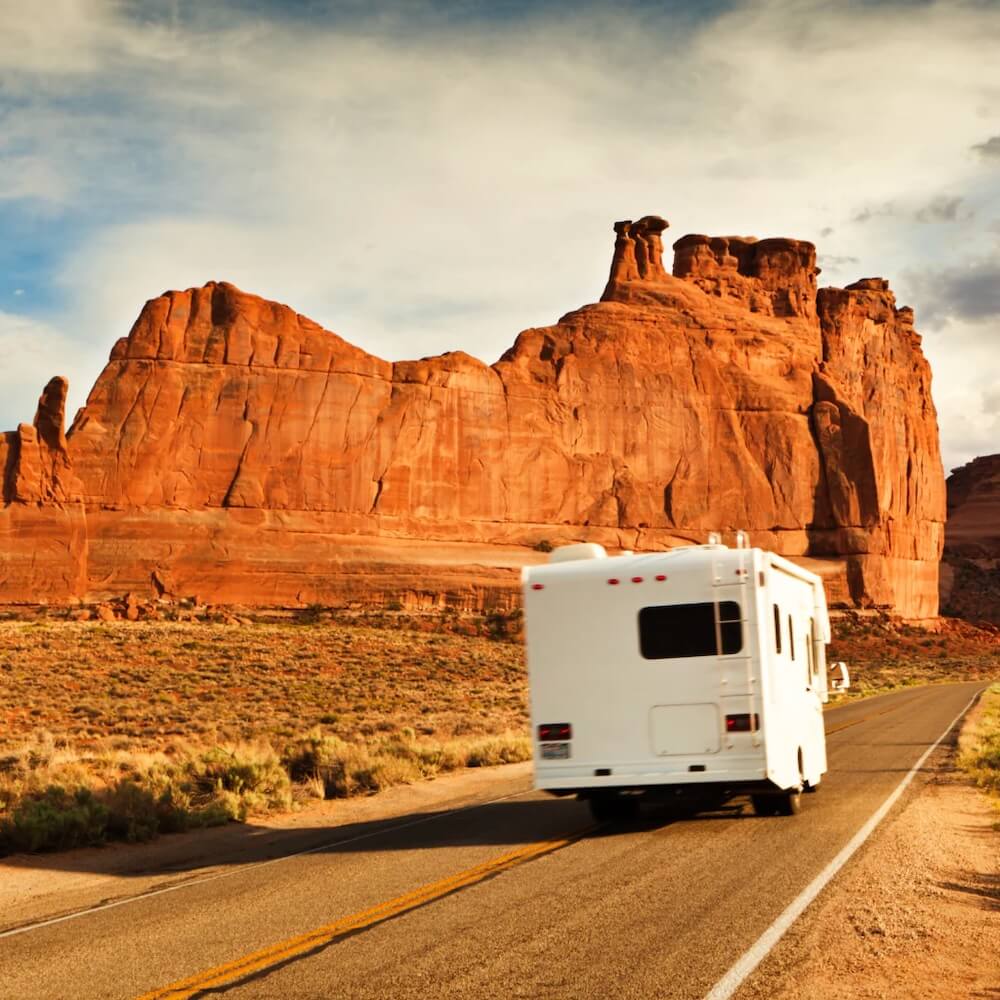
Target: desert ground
(120, 730)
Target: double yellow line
(303, 944)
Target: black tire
(789, 803)
(614, 807)
(764, 805)
(810, 789)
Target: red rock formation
(236, 450)
(43, 535)
(970, 574)
(974, 509)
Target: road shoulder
(42, 886)
(915, 913)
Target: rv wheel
(765, 805)
(778, 803)
(789, 803)
(614, 808)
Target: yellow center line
(265, 958)
(867, 718)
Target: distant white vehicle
(697, 670)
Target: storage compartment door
(677, 730)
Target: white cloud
(426, 191)
(963, 356)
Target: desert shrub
(505, 625)
(132, 812)
(236, 781)
(70, 799)
(543, 545)
(312, 614)
(55, 819)
(495, 750)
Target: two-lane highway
(510, 898)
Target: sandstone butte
(235, 451)
(970, 574)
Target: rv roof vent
(582, 550)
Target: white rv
(700, 669)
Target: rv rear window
(671, 631)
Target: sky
(422, 177)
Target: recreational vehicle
(701, 669)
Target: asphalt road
(520, 897)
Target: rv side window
(791, 637)
(813, 665)
(672, 631)
(777, 629)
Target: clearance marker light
(661, 577)
(637, 579)
(614, 581)
(538, 586)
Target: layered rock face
(970, 574)
(236, 450)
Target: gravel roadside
(916, 913)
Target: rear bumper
(644, 775)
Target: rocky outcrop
(236, 450)
(970, 574)
(43, 531)
(776, 277)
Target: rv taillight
(538, 586)
(746, 723)
(549, 731)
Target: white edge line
(252, 866)
(758, 951)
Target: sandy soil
(916, 913)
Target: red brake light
(746, 723)
(549, 731)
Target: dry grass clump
(980, 743)
(54, 798)
(342, 769)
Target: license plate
(555, 751)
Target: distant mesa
(236, 450)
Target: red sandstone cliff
(43, 534)
(970, 574)
(237, 450)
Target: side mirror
(839, 678)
